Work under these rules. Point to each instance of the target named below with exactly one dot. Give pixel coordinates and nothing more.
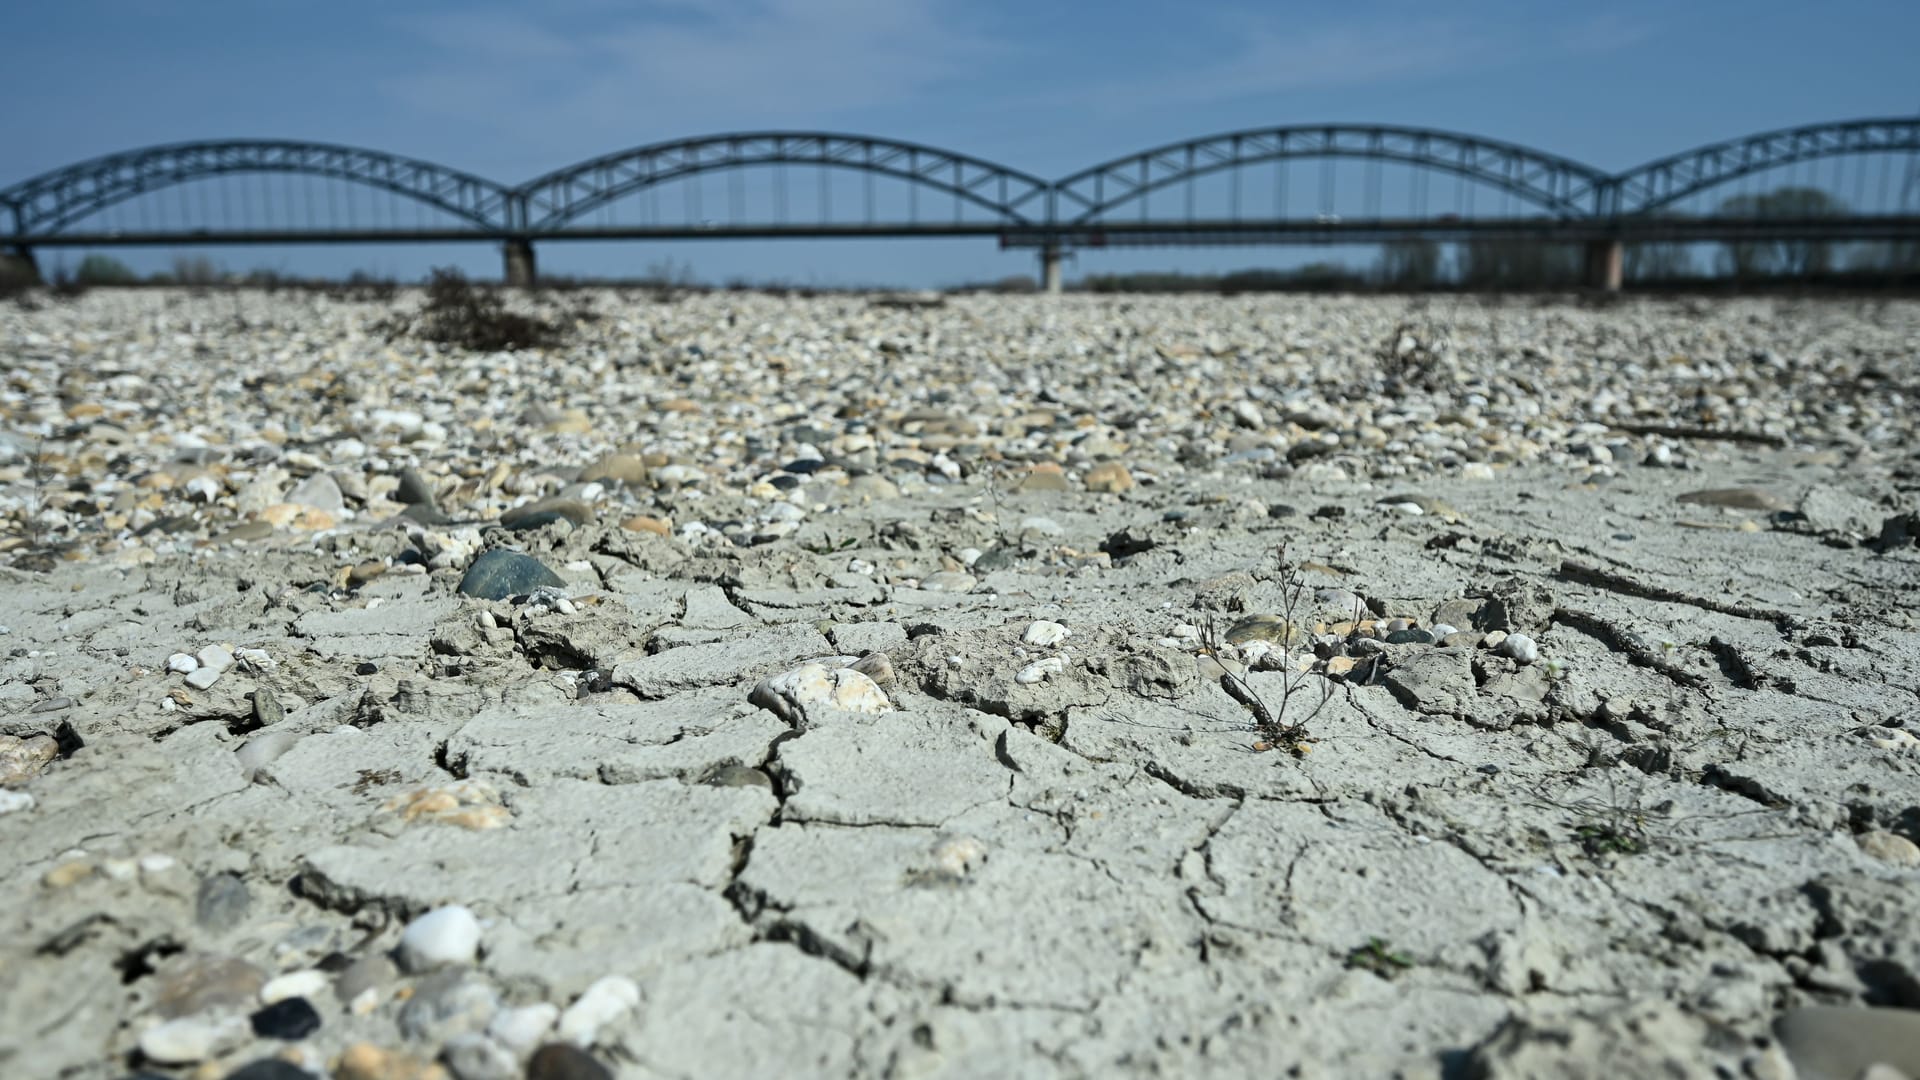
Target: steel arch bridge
(1113, 203)
(1559, 186)
(1666, 181)
(54, 200)
(567, 195)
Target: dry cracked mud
(1674, 839)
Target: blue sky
(511, 91)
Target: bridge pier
(520, 268)
(1050, 269)
(1605, 262)
(19, 262)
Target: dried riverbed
(874, 686)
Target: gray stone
(472, 1056)
(500, 574)
(447, 1004)
(221, 903)
(319, 491)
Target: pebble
(290, 1019)
(499, 574)
(1735, 499)
(192, 1038)
(366, 975)
(1441, 631)
(521, 1029)
(221, 902)
(546, 512)
(1520, 647)
(182, 664)
(565, 1061)
(472, 1056)
(443, 936)
(1044, 634)
(1889, 847)
(953, 581)
(365, 1061)
(12, 802)
(194, 983)
(269, 1069)
(22, 759)
(1269, 628)
(447, 1004)
(608, 999)
(1109, 478)
(1040, 670)
(305, 983)
(789, 694)
(1410, 636)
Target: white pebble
(447, 935)
(1520, 647)
(521, 1029)
(1440, 630)
(1045, 634)
(191, 1038)
(215, 657)
(202, 677)
(609, 998)
(157, 863)
(182, 664)
(1039, 670)
(255, 658)
(306, 983)
(11, 801)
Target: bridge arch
(53, 200)
(1669, 180)
(567, 194)
(1558, 185)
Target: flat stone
(1843, 1041)
(499, 574)
(1735, 499)
(546, 512)
(319, 492)
(194, 983)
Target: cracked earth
(1691, 814)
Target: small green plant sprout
(1379, 957)
(1276, 723)
(827, 545)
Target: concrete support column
(1050, 269)
(19, 262)
(1605, 259)
(520, 270)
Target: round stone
(1520, 647)
(443, 936)
(565, 1061)
(498, 575)
(291, 1019)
